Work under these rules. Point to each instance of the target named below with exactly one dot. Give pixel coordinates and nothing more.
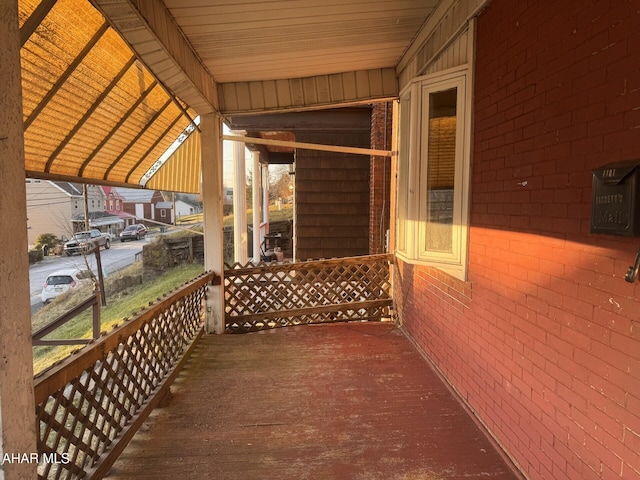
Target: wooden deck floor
(344, 401)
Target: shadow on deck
(340, 401)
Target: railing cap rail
(250, 268)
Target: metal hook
(632, 272)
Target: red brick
(544, 308)
(575, 338)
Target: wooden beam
(298, 312)
(354, 119)
(309, 146)
(36, 18)
(75, 179)
(280, 158)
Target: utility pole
(173, 210)
(86, 206)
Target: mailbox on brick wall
(615, 207)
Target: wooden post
(103, 295)
(257, 182)
(239, 204)
(96, 314)
(85, 199)
(211, 128)
(17, 406)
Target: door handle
(632, 272)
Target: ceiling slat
(340, 89)
(153, 145)
(67, 73)
(90, 111)
(122, 120)
(181, 171)
(135, 139)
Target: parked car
(133, 232)
(85, 241)
(59, 282)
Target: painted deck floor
(343, 401)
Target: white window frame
(412, 222)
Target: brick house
(538, 336)
(163, 212)
(141, 204)
(502, 112)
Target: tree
(279, 182)
(47, 242)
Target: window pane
(441, 162)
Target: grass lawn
(120, 305)
(275, 215)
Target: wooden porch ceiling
(340, 401)
(243, 56)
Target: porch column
(256, 183)
(239, 203)
(17, 408)
(265, 199)
(211, 130)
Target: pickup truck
(85, 241)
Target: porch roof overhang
(109, 86)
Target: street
(119, 256)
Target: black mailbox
(614, 201)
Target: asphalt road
(119, 256)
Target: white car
(59, 282)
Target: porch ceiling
(109, 85)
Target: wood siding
(50, 209)
(442, 44)
(297, 93)
(332, 198)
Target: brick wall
(543, 342)
(380, 169)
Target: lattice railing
(89, 406)
(284, 294)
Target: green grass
(119, 306)
(275, 215)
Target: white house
(185, 207)
(53, 206)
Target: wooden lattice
(283, 294)
(90, 405)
